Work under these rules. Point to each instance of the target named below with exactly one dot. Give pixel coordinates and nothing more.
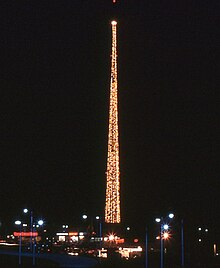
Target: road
(61, 259)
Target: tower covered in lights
(112, 203)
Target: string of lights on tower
(112, 204)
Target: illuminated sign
(73, 233)
(62, 234)
(120, 241)
(26, 234)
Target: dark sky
(55, 78)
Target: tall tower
(112, 204)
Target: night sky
(55, 79)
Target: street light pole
(39, 223)
(34, 249)
(31, 229)
(146, 246)
(161, 245)
(182, 245)
(19, 250)
(19, 258)
(100, 233)
(25, 210)
(163, 227)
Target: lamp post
(33, 238)
(163, 228)
(98, 218)
(161, 246)
(39, 223)
(25, 210)
(19, 250)
(146, 250)
(99, 226)
(182, 245)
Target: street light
(39, 223)
(158, 220)
(19, 250)
(26, 211)
(33, 226)
(182, 245)
(99, 226)
(166, 235)
(84, 216)
(163, 234)
(98, 218)
(171, 215)
(166, 227)
(146, 248)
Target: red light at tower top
(114, 1)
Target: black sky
(55, 75)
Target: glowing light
(74, 238)
(26, 234)
(111, 237)
(171, 215)
(40, 222)
(215, 249)
(84, 217)
(73, 253)
(166, 235)
(158, 220)
(25, 210)
(17, 222)
(112, 204)
(130, 252)
(120, 241)
(166, 227)
(73, 233)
